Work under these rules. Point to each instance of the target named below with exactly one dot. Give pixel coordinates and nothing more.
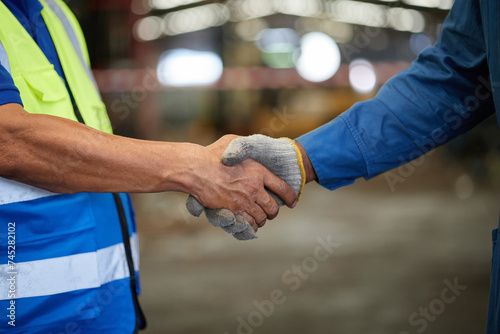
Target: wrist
(309, 168)
(183, 171)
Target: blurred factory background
(190, 70)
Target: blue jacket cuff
(334, 154)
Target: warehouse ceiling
(174, 17)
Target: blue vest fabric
(58, 227)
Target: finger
(280, 188)
(242, 220)
(194, 207)
(247, 234)
(220, 217)
(268, 204)
(240, 225)
(251, 221)
(258, 215)
(276, 198)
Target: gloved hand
(281, 156)
(237, 225)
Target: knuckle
(253, 189)
(252, 222)
(267, 201)
(262, 218)
(274, 211)
(270, 205)
(237, 208)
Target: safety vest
(68, 263)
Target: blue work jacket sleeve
(444, 93)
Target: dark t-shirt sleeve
(8, 91)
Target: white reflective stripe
(51, 276)
(4, 59)
(12, 192)
(65, 274)
(112, 264)
(72, 36)
(134, 245)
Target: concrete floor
(395, 256)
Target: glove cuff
(300, 161)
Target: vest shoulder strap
(75, 34)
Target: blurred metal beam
(158, 11)
(399, 4)
(235, 78)
(109, 5)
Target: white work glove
(281, 156)
(237, 225)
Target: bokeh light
(195, 19)
(140, 7)
(278, 47)
(362, 76)
(184, 67)
(406, 20)
(319, 57)
(148, 28)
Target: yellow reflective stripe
(69, 29)
(75, 35)
(76, 29)
(87, 98)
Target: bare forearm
(64, 156)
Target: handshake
(278, 180)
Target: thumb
(243, 148)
